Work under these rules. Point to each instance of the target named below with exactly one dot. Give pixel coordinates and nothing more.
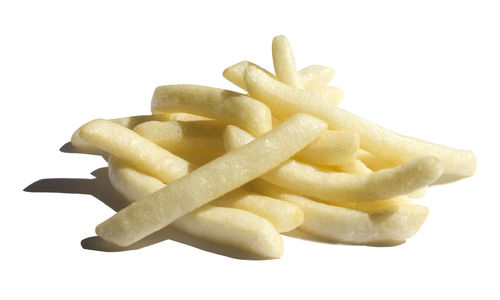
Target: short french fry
(285, 216)
(179, 136)
(285, 101)
(314, 75)
(134, 149)
(210, 181)
(345, 225)
(331, 148)
(225, 106)
(332, 94)
(227, 226)
(284, 63)
(128, 122)
(336, 187)
(311, 76)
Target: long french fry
(212, 180)
(226, 106)
(226, 226)
(136, 150)
(336, 187)
(285, 101)
(345, 225)
(331, 148)
(284, 62)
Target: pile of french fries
(239, 169)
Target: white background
(427, 69)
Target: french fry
(226, 106)
(336, 187)
(285, 101)
(128, 122)
(179, 136)
(314, 75)
(182, 116)
(331, 148)
(284, 63)
(212, 180)
(313, 78)
(354, 166)
(345, 225)
(226, 226)
(374, 162)
(136, 150)
(285, 216)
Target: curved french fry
(128, 122)
(178, 136)
(284, 62)
(284, 216)
(345, 225)
(227, 226)
(134, 149)
(226, 106)
(284, 101)
(331, 148)
(336, 187)
(211, 180)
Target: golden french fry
(227, 226)
(336, 187)
(285, 216)
(212, 180)
(178, 136)
(284, 62)
(345, 225)
(285, 101)
(226, 106)
(314, 75)
(128, 122)
(331, 148)
(134, 149)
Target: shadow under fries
(100, 188)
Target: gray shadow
(100, 188)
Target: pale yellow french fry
(345, 225)
(314, 75)
(284, 62)
(128, 122)
(334, 187)
(211, 181)
(354, 166)
(236, 72)
(198, 158)
(374, 162)
(332, 94)
(331, 148)
(285, 101)
(418, 193)
(134, 149)
(227, 226)
(285, 216)
(311, 76)
(225, 106)
(179, 136)
(181, 116)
